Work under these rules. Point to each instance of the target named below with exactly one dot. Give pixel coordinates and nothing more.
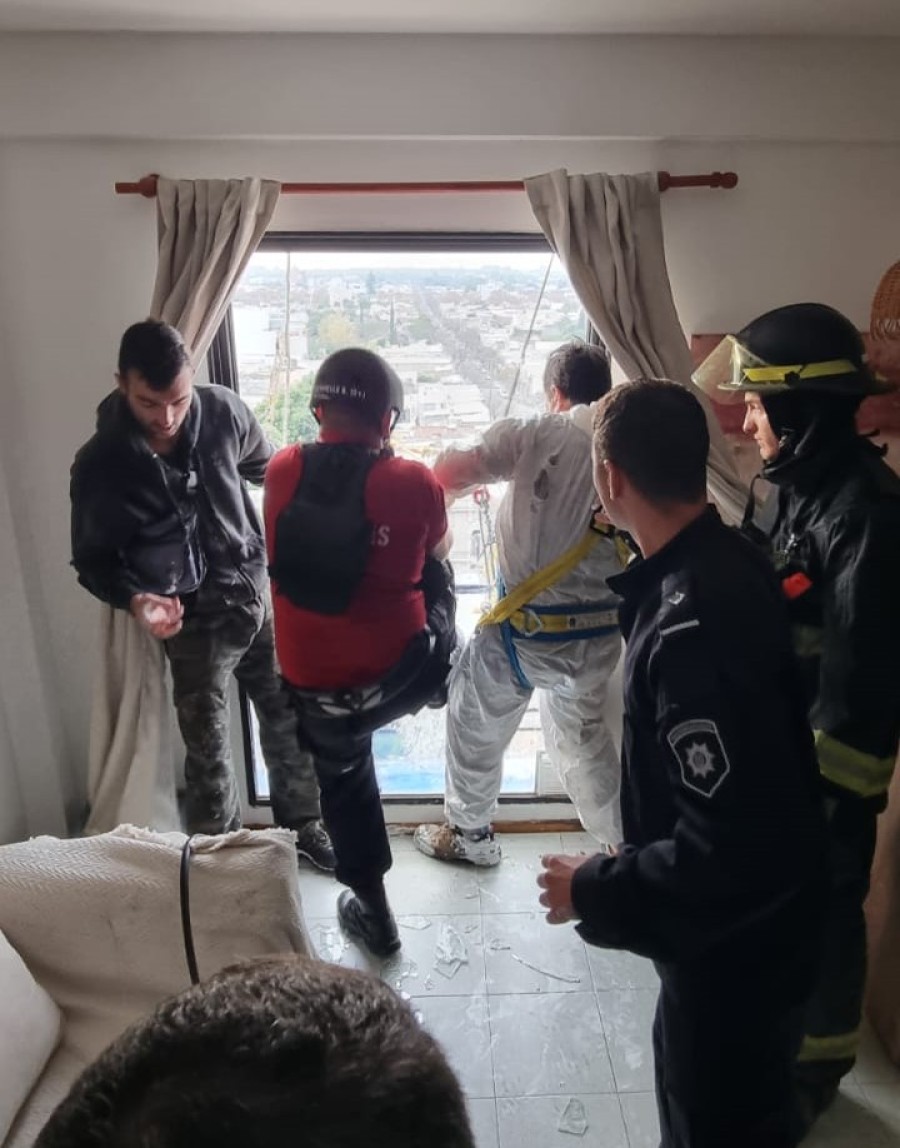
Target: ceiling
(643, 17)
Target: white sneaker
(447, 843)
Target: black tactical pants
(835, 1009)
(203, 656)
(342, 745)
(724, 1057)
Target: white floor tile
(523, 954)
(534, 1122)
(423, 948)
(400, 838)
(872, 1064)
(851, 1122)
(548, 1045)
(614, 969)
(580, 843)
(331, 945)
(883, 1101)
(461, 1025)
(483, 1117)
(419, 884)
(534, 844)
(627, 1022)
(511, 887)
(641, 1118)
(318, 894)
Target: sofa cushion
(30, 1025)
(98, 922)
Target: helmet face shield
(722, 374)
(731, 369)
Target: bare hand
(160, 616)
(556, 881)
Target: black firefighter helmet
(360, 380)
(806, 347)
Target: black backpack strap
(323, 536)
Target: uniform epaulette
(677, 608)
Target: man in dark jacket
(832, 526)
(163, 526)
(721, 879)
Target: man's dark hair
(579, 371)
(655, 431)
(154, 350)
(269, 1054)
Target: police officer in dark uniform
(832, 528)
(720, 880)
(364, 609)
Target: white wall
(816, 219)
(527, 87)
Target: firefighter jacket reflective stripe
(836, 544)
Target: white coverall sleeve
(493, 459)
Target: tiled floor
(533, 1020)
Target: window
(467, 321)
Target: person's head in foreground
(265, 1055)
(576, 373)
(651, 443)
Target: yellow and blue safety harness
(518, 617)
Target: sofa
(92, 939)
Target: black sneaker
(314, 844)
(377, 930)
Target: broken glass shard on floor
(573, 1119)
(450, 952)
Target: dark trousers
(835, 1008)
(724, 1060)
(205, 653)
(342, 751)
(342, 743)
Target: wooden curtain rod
(723, 179)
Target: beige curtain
(607, 232)
(208, 229)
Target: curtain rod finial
(148, 185)
(145, 187)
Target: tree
(301, 426)
(334, 331)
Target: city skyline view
(469, 334)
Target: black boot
(370, 921)
(314, 845)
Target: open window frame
(223, 369)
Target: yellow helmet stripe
(802, 371)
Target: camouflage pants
(203, 656)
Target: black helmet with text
(359, 381)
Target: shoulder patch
(701, 756)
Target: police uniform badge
(701, 755)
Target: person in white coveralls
(555, 628)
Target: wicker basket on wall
(885, 320)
